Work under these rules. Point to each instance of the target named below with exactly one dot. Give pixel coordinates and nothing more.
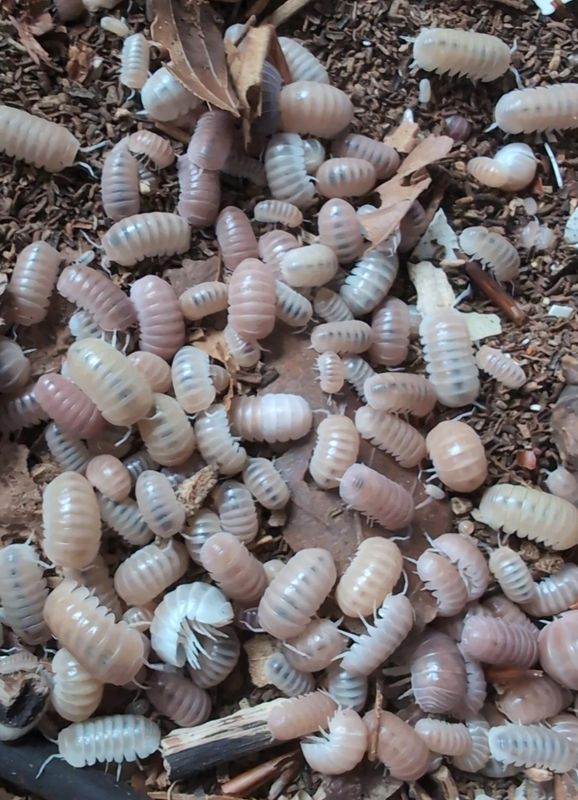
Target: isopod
(310, 265)
(390, 331)
(497, 641)
(446, 738)
(340, 229)
(479, 752)
(148, 235)
(149, 571)
(15, 368)
(391, 434)
(205, 523)
(71, 521)
(154, 368)
(399, 747)
(69, 452)
(158, 504)
(217, 660)
(512, 574)
(287, 177)
(138, 462)
(291, 307)
(93, 291)
(272, 247)
(318, 109)
(379, 498)
(278, 211)
(444, 581)
(295, 594)
(216, 442)
(125, 518)
(500, 366)
(542, 108)
(212, 140)
(371, 576)
(341, 749)
(383, 157)
(458, 455)
(369, 281)
(492, 249)
(463, 552)
(153, 146)
(167, 433)
(32, 281)
(134, 63)
(330, 306)
(75, 694)
(345, 177)
(119, 182)
(557, 645)
(349, 337)
(336, 449)
(21, 410)
(316, 647)
(199, 194)
(533, 698)
(175, 696)
(68, 406)
(300, 716)
(37, 141)
(252, 300)
(238, 573)
(97, 579)
(438, 674)
(400, 393)
(240, 165)
(263, 480)
(357, 371)
(123, 737)
(164, 97)
(348, 691)
(204, 299)
(23, 592)
(512, 169)
(192, 382)
(554, 594)
(532, 746)
(479, 56)
(314, 155)
(267, 123)
(331, 372)
(567, 725)
(286, 678)
(271, 418)
(237, 511)
(303, 65)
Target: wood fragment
(252, 778)
(286, 11)
(443, 778)
(494, 292)
(194, 490)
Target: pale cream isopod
(500, 366)
(156, 233)
(164, 97)
(265, 483)
(345, 177)
(23, 592)
(287, 177)
(391, 434)
(278, 211)
(119, 183)
(460, 52)
(331, 372)
(154, 368)
(400, 392)
(458, 455)
(216, 442)
(383, 157)
(134, 63)
(75, 694)
(371, 576)
(158, 504)
(310, 265)
(204, 299)
(166, 432)
(314, 108)
(492, 249)
(379, 498)
(335, 450)
(542, 108)
(35, 140)
(199, 193)
(32, 282)
(341, 749)
(512, 169)
(328, 305)
(303, 65)
(340, 229)
(351, 336)
(15, 368)
(236, 571)
(71, 521)
(191, 379)
(271, 417)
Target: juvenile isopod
(400, 393)
(278, 211)
(98, 580)
(340, 229)
(512, 169)
(216, 442)
(446, 738)
(492, 249)
(379, 498)
(336, 449)
(331, 372)
(310, 265)
(218, 659)
(391, 434)
(15, 368)
(286, 678)
(205, 523)
(123, 737)
(237, 511)
(23, 592)
(463, 552)
(497, 641)
(341, 749)
(316, 647)
(149, 571)
(438, 674)
(383, 157)
(153, 146)
(154, 368)
(500, 366)
(531, 514)
(75, 693)
(399, 747)
(318, 109)
(175, 696)
(443, 580)
(479, 751)
(271, 418)
(348, 691)
(199, 194)
(557, 645)
(252, 300)
(212, 140)
(291, 307)
(149, 235)
(158, 504)
(165, 98)
(68, 451)
(272, 247)
(390, 331)
(167, 432)
(204, 299)
(314, 155)
(371, 576)
(237, 572)
(93, 291)
(32, 281)
(512, 574)
(119, 183)
(303, 65)
(296, 593)
(357, 371)
(134, 63)
(458, 455)
(369, 281)
(351, 336)
(542, 108)
(192, 382)
(125, 518)
(287, 177)
(68, 406)
(533, 698)
(479, 56)
(263, 480)
(554, 594)
(330, 306)
(71, 521)
(345, 177)
(532, 746)
(299, 716)
(37, 141)
(449, 359)
(20, 410)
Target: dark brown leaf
(188, 31)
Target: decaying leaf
(20, 499)
(33, 47)
(191, 273)
(246, 67)
(428, 151)
(188, 30)
(78, 64)
(395, 202)
(215, 344)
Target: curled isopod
(341, 749)
(154, 368)
(263, 480)
(400, 393)
(237, 511)
(20, 410)
(153, 146)
(463, 552)
(212, 140)
(531, 514)
(492, 249)
(15, 368)
(149, 235)
(336, 449)
(192, 382)
(271, 418)
(158, 504)
(237, 572)
(123, 737)
(75, 694)
(446, 738)
(351, 336)
(316, 647)
(382, 156)
(357, 371)
(532, 746)
(329, 306)
(167, 433)
(314, 155)
(119, 182)
(348, 691)
(217, 660)
(110, 651)
(443, 580)
(204, 299)
(512, 574)
(542, 108)
(97, 579)
(199, 194)
(23, 592)
(318, 109)
(291, 307)
(204, 524)
(331, 373)
(391, 434)
(93, 291)
(287, 177)
(165, 98)
(216, 443)
(513, 168)
(457, 52)
(252, 300)
(71, 521)
(69, 452)
(340, 229)
(500, 366)
(533, 698)
(557, 644)
(369, 281)
(134, 63)
(376, 496)
(303, 65)
(286, 678)
(310, 265)
(114, 385)
(371, 576)
(299, 716)
(458, 455)
(37, 141)
(296, 593)
(278, 211)
(345, 177)
(556, 593)
(125, 518)
(390, 331)
(175, 696)
(399, 747)
(497, 641)
(449, 359)
(412, 227)
(235, 237)
(272, 247)
(438, 674)
(68, 406)
(32, 281)
(149, 571)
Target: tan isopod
(114, 385)
(331, 372)
(287, 177)
(272, 247)
(446, 738)
(32, 281)
(303, 65)
(149, 571)
(204, 299)
(300, 716)
(316, 647)
(314, 108)
(252, 300)
(542, 108)
(498, 641)
(176, 697)
(119, 182)
(164, 98)
(512, 574)
(265, 483)
(379, 498)
(531, 514)
(458, 455)
(110, 651)
(271, 417)
(351, 336)
(500, 366)
(533, 698)
(443, 580)
(93, 291)
(330, 307)
(512, 169)
(371, 576)
(458, 52)
(212, 140)
(292, 308)
(399, 747)
(153, 146)
(154, 368)
(125, 518)
(71, 521)
(68, 406)
(191, 379)
(233, 568)
(281, 674)
(341, 749)
(148, 235)
(532, 746)
(97, 579)
(158, 504)
(463, 552)
(34, 140)
(23, 592)
(216, 442)
(555, 594)
(70, 453)
(15, 368)
(492, 249)
(383, 157)
(391, 434)
(296, 593)
(357, 371)
(167, 433)
(199, 194)
(310, 265)
(449, 359)
(75, 694)
(369, 281)
(161, 324)
(278, 211)
(237, 511)
(390, 333)
(400, 393)
(21, 410)
(438, 673)
(340, 229)
(235, 237)
(335, 450)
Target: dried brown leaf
(395, 202)
(191, 273)
(404, 138)
(20, 499)
(428, 151)
(188, 30)
(246, 67)
(216, 346)
(34, 49)
(78, 64)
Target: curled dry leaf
(246, 67)
(78, 64)
(428, 151)
(188, 30)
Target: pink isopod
(37, 141)
(533, 698)
(390, 331)
(479, 56)
(272, 247)
(212, 140)
(158, 504)
(330, 306)
(303, 65)
(153, 146)
(438, 674)
(149, 235)
(204, 299)
(331, 373)
(399, 747)
(95, 292)
(167, 432)
(369, 281)
(154, 368)
(463, 552)
(15, 368)
(345, 177)
(235, 237)
(164, 98)
(271, 417)
(233, 568)
(21, 410)
(278, 211)
(32, 282)
(554, 594)
(379, 498)
(299, 716)
(341, 749)
(316, 647)
(382, 156)
(287, 177)
(314, 108)
(191, 379)
(336, 449)
(512, 169)
(562, 483)
(492, 249)
(351, 336)
(290, 681)
(512, 574)
(175, 696)
(199, 194)
(160, 321)
(118, 738)
(292, 308)
(391, 434)
(532, 746)
(216, 442)
(500, 366)
(71, 521)
(340, 229)
(109, 476)
(149, 571)
(371, 576)
(252, 300)
(400, 393)
(446, 738)
(542, 108)
(119, 183)
(557, 645)
(68, 406)
(310, 265)
(458, 455)
(443, 580)
(75, 694)
(496, 641)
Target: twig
(494, 292)
(286, 11)
(248, 781)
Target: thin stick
(286, 11)
(494, 292)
